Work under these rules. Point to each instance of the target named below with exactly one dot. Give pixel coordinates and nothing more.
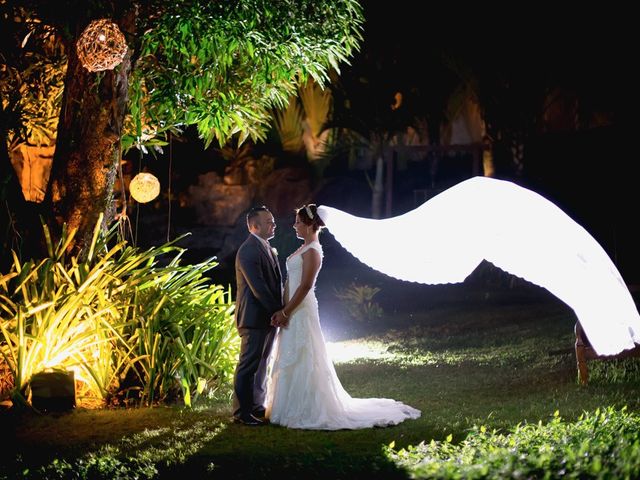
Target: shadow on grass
(311, 455)
(178, 443)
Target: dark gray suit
(258, 296)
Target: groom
(259, 295)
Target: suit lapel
(273, 260)
(275, 266)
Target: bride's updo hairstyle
(309, 216)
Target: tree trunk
(389, 202)
(378, 189)
(88, 143)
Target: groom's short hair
(254, 212)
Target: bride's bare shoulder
(314, 249)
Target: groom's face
(264, 225)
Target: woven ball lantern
(144, 187)
(101, 46)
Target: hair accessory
(309, 212)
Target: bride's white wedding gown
(304, 390)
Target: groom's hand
(278, 320)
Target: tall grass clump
(131, 329)
(614, 370)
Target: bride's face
(300, 228)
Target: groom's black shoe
(259, 413)
(248, 420)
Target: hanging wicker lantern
(101, 46)
(144, 187)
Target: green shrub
(185, 333)
(126, 326)
(602, 444)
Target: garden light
(101, 46)
(144, 187)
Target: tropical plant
(120, 321)
(317, 103)
(301, 124)
(31, 87)
(55, 314)
(288, 124)
(184, 331)
(358, 300)
(40, 100)
(237, 158)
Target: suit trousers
(250, 382)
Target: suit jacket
(259, 285)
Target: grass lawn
(493, 360)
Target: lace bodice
(294, 269)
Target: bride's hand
(279, 320)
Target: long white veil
(514, 228)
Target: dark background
(420, 48)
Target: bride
(305, 391)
